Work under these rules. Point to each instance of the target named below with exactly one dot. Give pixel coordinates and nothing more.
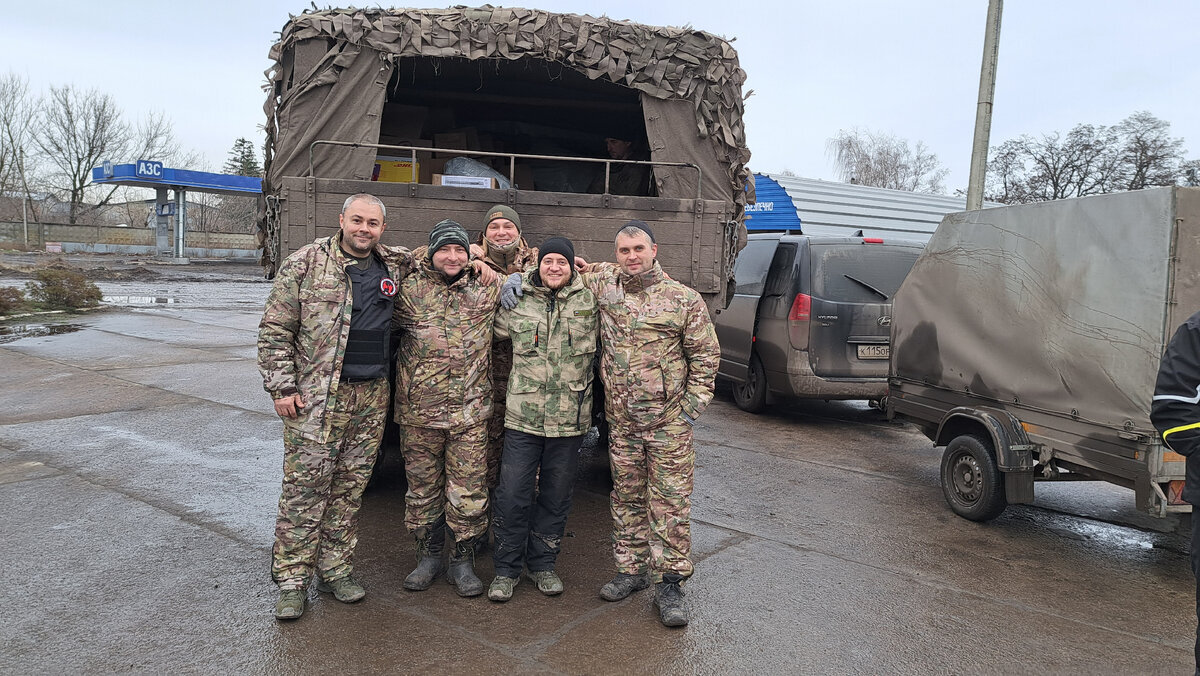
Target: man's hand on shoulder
(289, 407)
(486, 274)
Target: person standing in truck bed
(504, 250)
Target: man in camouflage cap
(658, 364)
(323, 353)
(442, 403)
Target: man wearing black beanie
(553, 329)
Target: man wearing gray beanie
(443, 399)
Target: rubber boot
(462, 570)
(430, 542)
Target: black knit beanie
(558, 245)
(641, 225)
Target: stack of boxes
(404, 125)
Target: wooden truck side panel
(687, 231)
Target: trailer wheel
(751, 396)
(971, 481)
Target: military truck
(445, 112)
(1026, 341)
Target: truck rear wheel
(971, 481)
(751, 396)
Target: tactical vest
(370, 322)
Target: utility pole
(983, 113)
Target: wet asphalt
(140, 464)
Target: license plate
(874, 351)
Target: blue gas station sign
(149, 169)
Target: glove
(511, 291)
(689, 420)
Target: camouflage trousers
(495, 434)
(651, 499)
(446, 471)
(323, 486)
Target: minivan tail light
(801, 308)
(872, 240)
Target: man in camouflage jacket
(658, 365)
(503, 249)
(323, 354)
(443, 401)
(553, 330)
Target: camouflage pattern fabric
(553, 334)
(651, 499)
(442, 366)
(303, 333)
(445, 469)
(323, 485)
(504, 263)
(659, 361)
(660, 353)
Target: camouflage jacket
(442, 378)
(520, 260)
(660, 352)
(553, 337)
(303, 332)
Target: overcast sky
(908, 68)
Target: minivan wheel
(751, 396)
(971, 481)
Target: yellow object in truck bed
(393, 170)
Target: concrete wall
(109, 239)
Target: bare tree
(1150, 157)
(18, 113)
(1088, 160)
(885, 161)
(80, 130)
(1189, 173)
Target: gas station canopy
(147, 174)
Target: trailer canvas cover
(332, 69)
(1062, 306)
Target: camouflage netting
(669, 64)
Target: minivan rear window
(860, 273)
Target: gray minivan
(810, 317)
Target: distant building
(815, 207)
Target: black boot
(672, 609)
(462, 570)
(430, 542)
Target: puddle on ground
(11, 332)
(127, 301)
